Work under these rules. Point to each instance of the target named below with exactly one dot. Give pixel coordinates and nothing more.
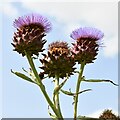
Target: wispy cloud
(102, 15)
(111, 46)
(10, 10)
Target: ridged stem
(41, 86)
(57, 102)
(77, 89)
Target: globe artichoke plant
(59, 61)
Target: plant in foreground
(59, 61)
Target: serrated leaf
(67, 92)
(21, 75)
(84, 91)
(99, 80)
(73, 94)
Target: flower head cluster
(58, 61)
(86, 45)
(30, 32)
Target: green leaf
(24, 70)
(56, 90)
(73, 94)
(30, 73)
(98, 80)
(21, 75)
(67, 92)
(84, 91)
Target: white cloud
(96, 114)
(111, 47)
(103, 15)
(9, 10)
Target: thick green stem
(34, 69)
(57, 103)
(77, 89)
(38, 80)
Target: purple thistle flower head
(29, 35)
(86, 45)
(33, 20)
(87, 32)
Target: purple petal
(87, 32)
(33, 19)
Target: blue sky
(22, 99)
